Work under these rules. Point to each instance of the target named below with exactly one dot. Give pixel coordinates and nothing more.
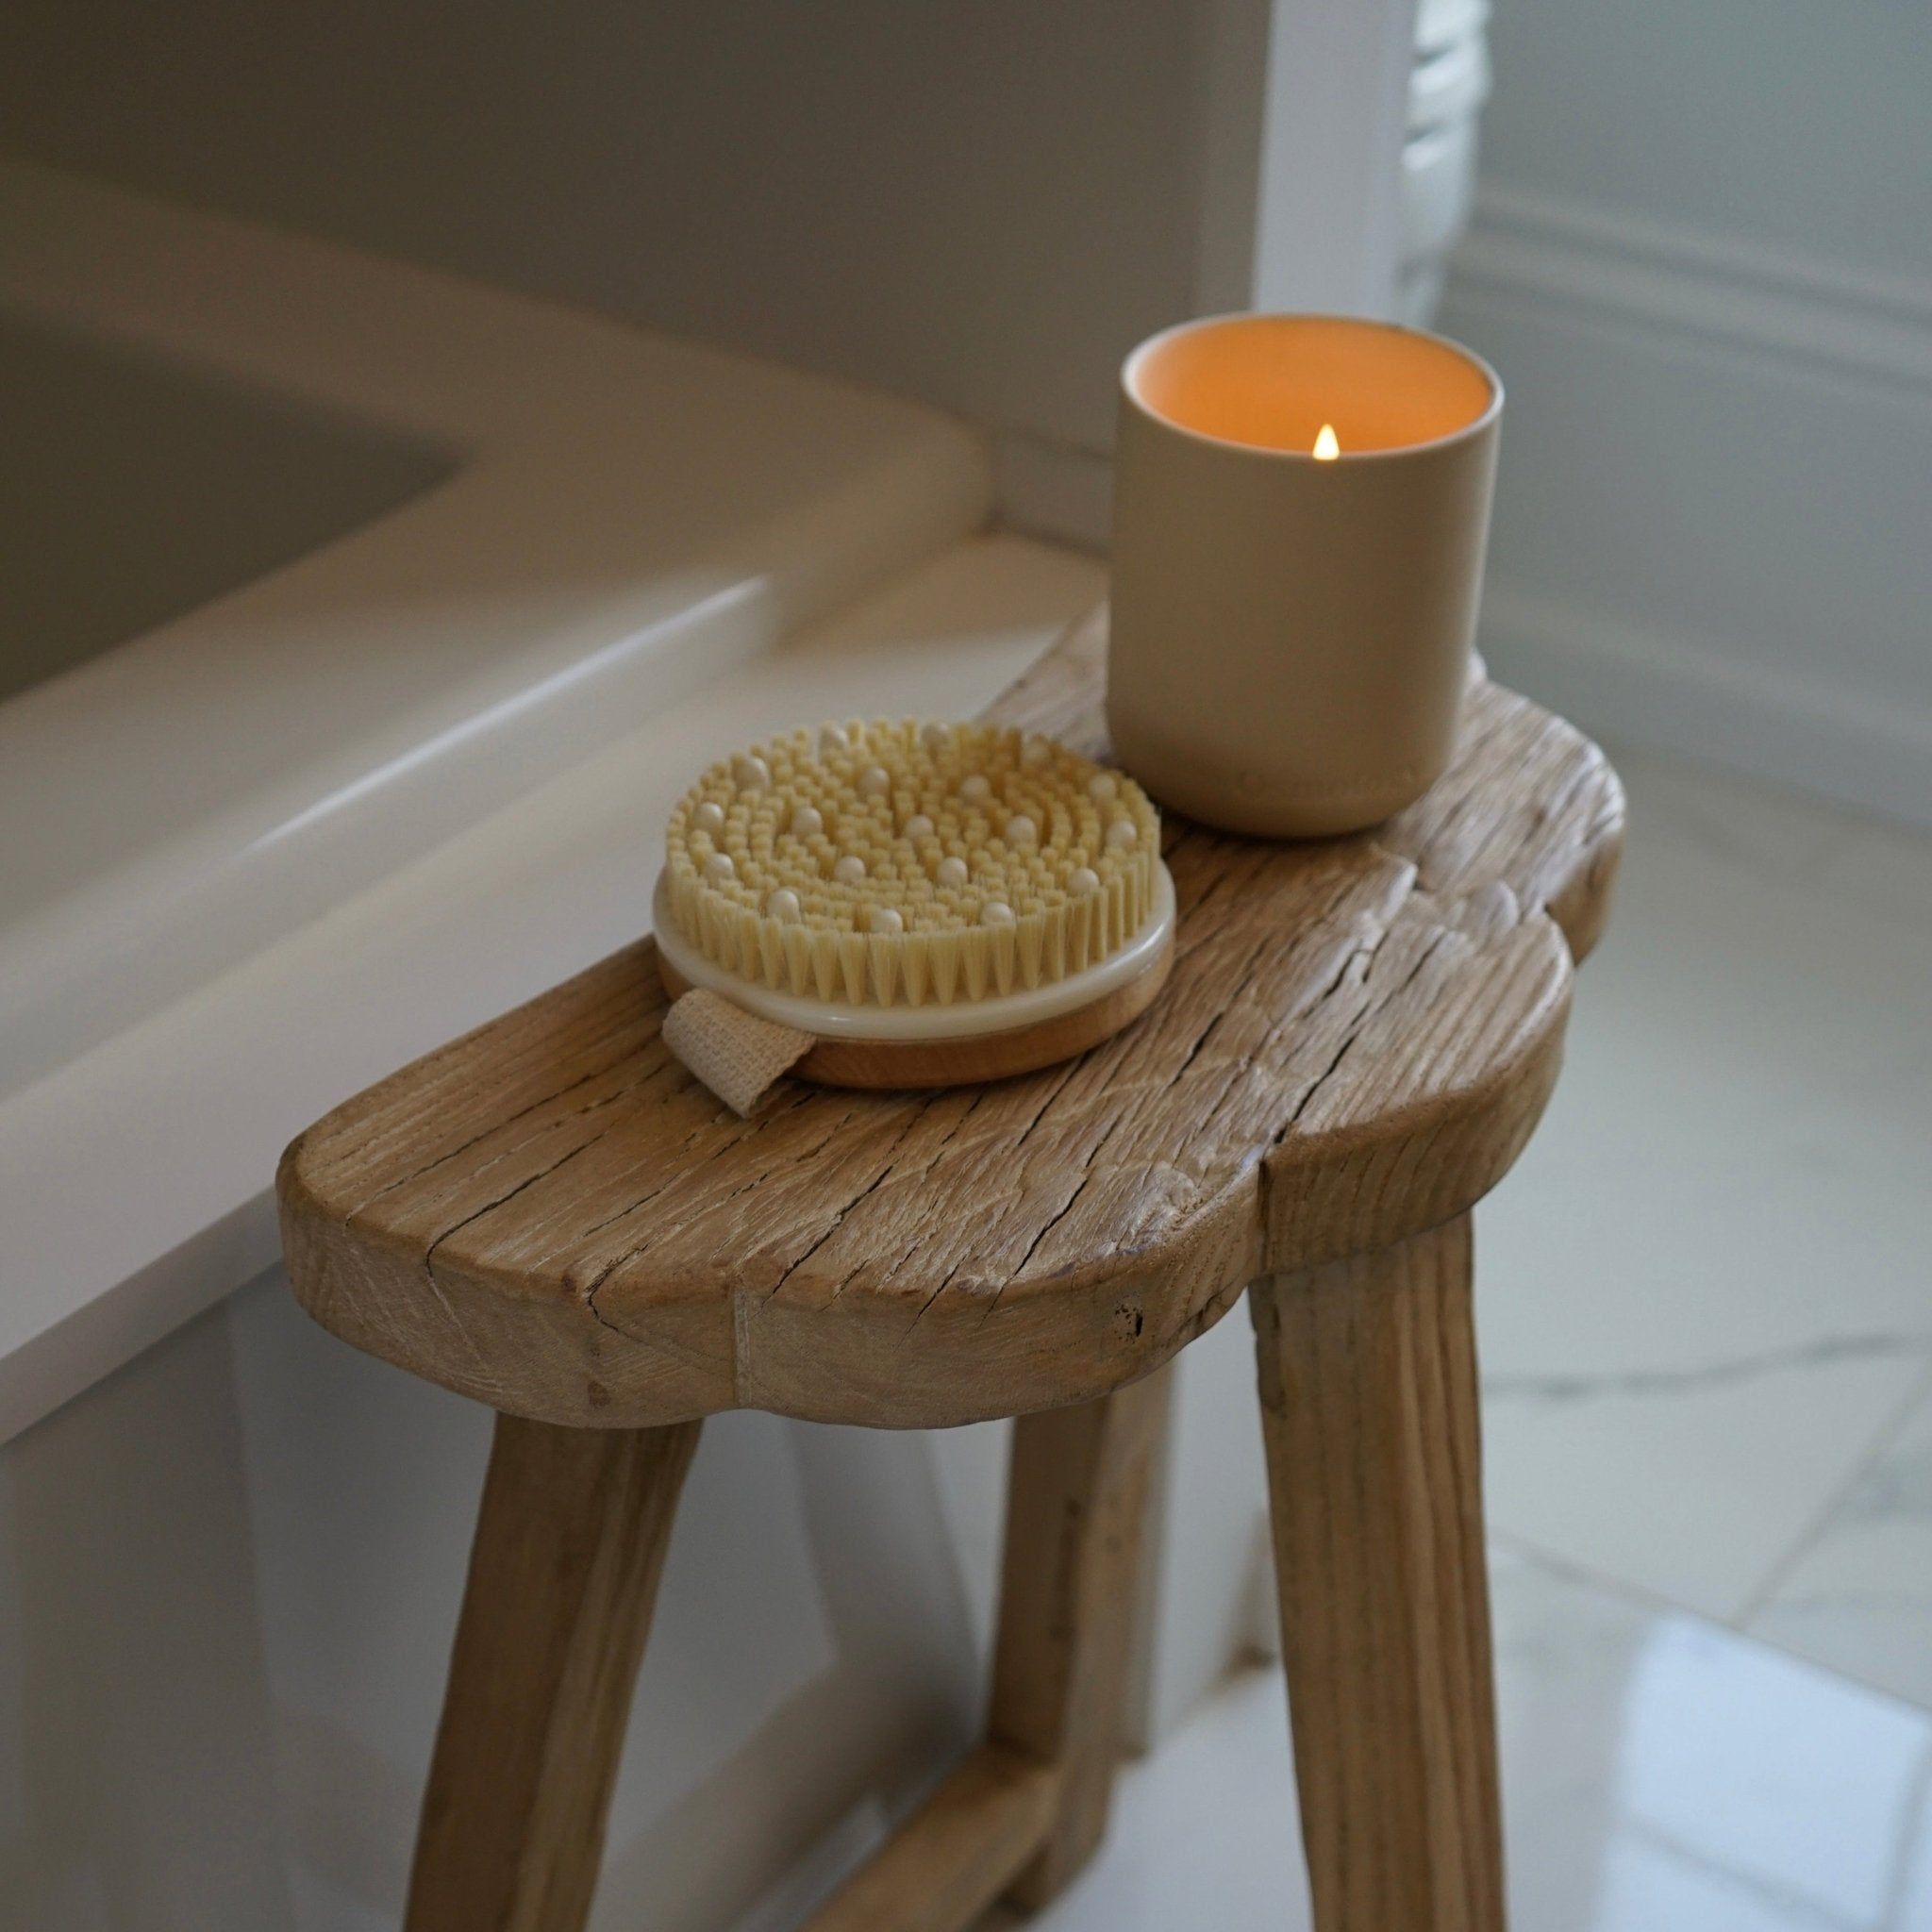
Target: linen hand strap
(736, 1054)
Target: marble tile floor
(1662, 1774)
(1858, 1596)
(1706, 1292)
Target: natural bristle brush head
(906, 904)
(901, 864)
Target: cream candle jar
(1300, 508)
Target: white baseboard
(1712, 512)
(1786, 310)
(1698, 700)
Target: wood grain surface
(1078, 1499)
(570, 1545)
(1369, 1411)
(951, 1860)
(1356, 1038)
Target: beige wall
(981, 204)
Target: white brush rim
(961, 1020)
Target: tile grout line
(1635, 1596)
(1587, 1576)
(1894, 1425)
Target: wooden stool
(550, 1216)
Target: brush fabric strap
(736, 1054)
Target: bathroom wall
(979, 202)
(1703, 261)
(888, 191)
(738, 171)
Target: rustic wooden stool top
(551, 1216)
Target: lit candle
(1300, 508)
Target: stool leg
(1076, 1506)
(1368, 1388)
(570, 1544)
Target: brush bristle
(1068, 849)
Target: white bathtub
(318, 558)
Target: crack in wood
(590, 1293)
(660, 1065)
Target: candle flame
(1326, 446)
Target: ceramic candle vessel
(1301, 507)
